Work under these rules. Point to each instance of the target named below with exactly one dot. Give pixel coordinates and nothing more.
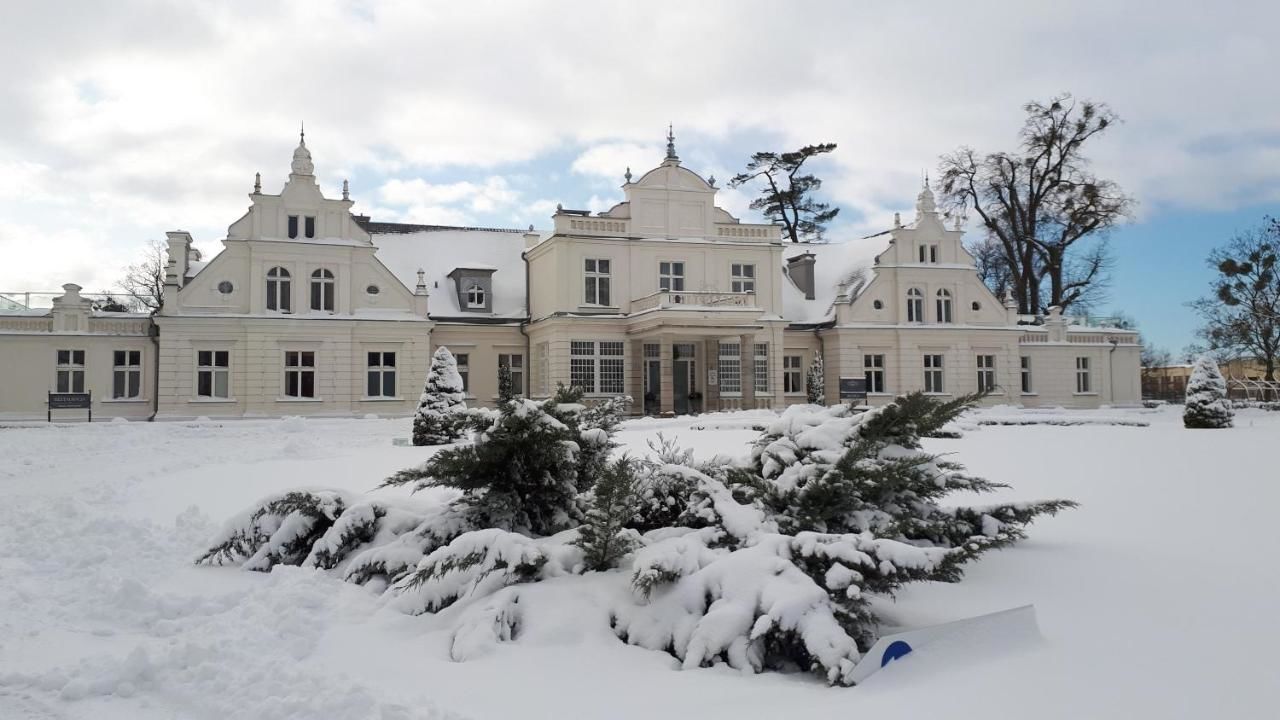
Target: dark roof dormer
(473, 283)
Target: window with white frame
(299, 374)
(729, 368)
(463, 361)
(792, 374)
(278, 290)
(742, 278)
(542, 357)
(933, 374)
(1026, 375)
(915, 305)
(596, 281)
(928, 253)
(873, 371)
(309, 226)
(1083, 381)
(597, 367)
(69, 373)
(322, 290)
(514, 363)
(671, 278)
(475, 296)
(944, 306)
(213, 374)
(380, 374)
(293, 226)
(760, 367)
(126, 374)
(986, 373)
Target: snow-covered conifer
(277, 530)
(1207, 405)
(437, 420)
(604, 536)
(506, 388)
(815, 382)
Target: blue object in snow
(895, 650)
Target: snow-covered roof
(439, 251)
(840, 269)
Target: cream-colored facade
(311, 310)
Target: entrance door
(683, 374)
(652, 387)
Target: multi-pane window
(322, 290)
(475, 296)
(126, 374)
(1083, 384)
(213, 374)
(515, 365)
(742, 277)
(597, 367)
(671, 278)
(928, 253)
(309, 226)
(944, 306)
(70, 371)
(873, 371)
(986, 373)
(542, 360)
(729, 368)
(299, 374)
(596, 278)
(792, 375)
(915, 305)
(278, 295)
(293, 226)
(760, 367)
(380, 375)
(1026, 374)
(933, 374)
(463, 361)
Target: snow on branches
(437, 419)
(1207, 405)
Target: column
(667, 396)
(747, 355)
(710, 365)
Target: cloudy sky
(123, 120)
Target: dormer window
(278, 290)
(475, 297)
(309, 226)
(928, 253)
(293, 226)
(322, 290)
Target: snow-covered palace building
(311, 310)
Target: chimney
(175, 273)
(531, 238)
(1056, 325)
(800, 270)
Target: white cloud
(611, 160)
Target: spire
(302, 156)
(257, 183)
(925, 204)
(302, 133)
(346, 190)
(671, 143)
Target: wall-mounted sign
(711, 377)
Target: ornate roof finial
(257, 183)
(346, 190)
(671, 143)
(897, 220)
(627, 174)
(712, 181)
(302, 133)
(302, 156)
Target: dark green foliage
(355, 526)
(279, 531)
(786, 195)
(615, 498)
(506, 390)
(814, 381)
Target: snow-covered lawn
(1156, 598)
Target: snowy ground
(1156, 598)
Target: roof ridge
(379, 227)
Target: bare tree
(143, 281)
(787, 195)
(1242, 315)
(1039, 202)
(992, 268)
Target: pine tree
(506, 390)
(438, 419)
(815, 382)
(1207, 404)
(615, 498)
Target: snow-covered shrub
(437, 419)
(280, 529)
(374, 523)
(604, 536)
(387, 559)
(815, 381)
(1207, 405)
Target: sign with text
(853, 388)
(68, 401)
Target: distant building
(1246, 379)
(311, 310)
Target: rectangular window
(1083, 385)
(213, 374)
(597, 275)
(543, 367)
(742, 278)
(729, 368)
(464, 369)
(310, 226)
(380, 380)
(126, 374)
(293, 226)
(933, 253)
(611, 371)
(873, 370)
(671, 278)
(933, 374)
(986, 373)
(514, 363)
(70, 371)
(1026, 375)
(792, 374)
(597, 367)
(582, 365)
(760, 367)
(299, 374)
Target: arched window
(944, 306)
(475, 296)
(278, 291)
(322, 290)
(915, 305)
